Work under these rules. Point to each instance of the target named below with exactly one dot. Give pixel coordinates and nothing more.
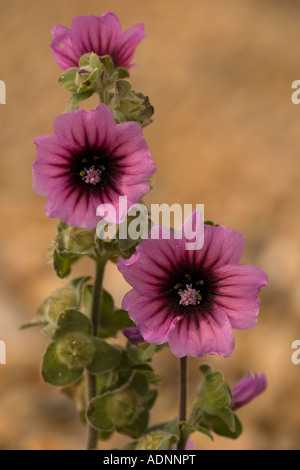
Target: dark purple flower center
(189, 292)
(94, 170)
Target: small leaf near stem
(91, 384)
(182, 401)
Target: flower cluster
(190, 300)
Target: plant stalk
(91, 383)
(182, 401)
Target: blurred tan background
(225, 134)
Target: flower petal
(132, 159)
(129, 139)
(154, 318)
(147, 270)
(92, 129)
(248, 388)
(72, 206)
(197, 337)
(133, 334)
(62, 47)
(236, 290)
(125, 45)
(53, 160)
(95, 34)
(221, 246)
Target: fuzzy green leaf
(106, 357)
(122, 409)
(68, 296)
(56, 372)
(62, 266)
(71, 321)
(211, 410)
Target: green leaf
(68, 296)
(105, 435)
(55, 372)
(95, 62)
(67, 79)
(122, 73)
(220, 427)
(118, 320)
(149, 398)
(111, 320)
(71, 321)
(85, 59)
(107, 381)
(196, 427)
(151, 376)
(106, 357)
(170, 427)
(75, 350)
(78, 97)
(107, 62)
(130, 446)
(139, 383)
(98, 413)
(159, 440)
(33, 322)
(122, 409)
(148, 352)
(205, 369)
(212, 407)
(214, 398)
(62, 266)
(134, 352)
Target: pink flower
(192, 299)
(100, 34)
(88, 161)
(248, 388)
(133, 334)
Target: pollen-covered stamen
(189, 296)
(92, 175)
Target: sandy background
(225, 134)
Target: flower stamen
(91, 176)
(189, 296)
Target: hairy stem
(182, 400)
(91, 384)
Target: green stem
(182, 401)
(103, 95)
(91, 382)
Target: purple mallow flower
(248, 388)
(100, 34)
(192, 299)
(90, 161)
(133, 334)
